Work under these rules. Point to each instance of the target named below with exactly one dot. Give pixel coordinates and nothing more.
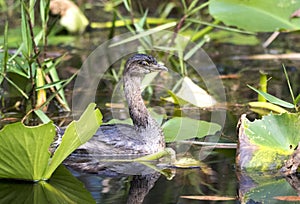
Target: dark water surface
(217, 176)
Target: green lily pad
(256, 15)
(63, 187)
(182, 128)
(25, 150)
(265, 144)
(265, 187)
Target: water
(218, 175)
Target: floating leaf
(265, 144)
(264, 188)
(62, 188)
(24, 150)
(181, 128)
(192, 93)
(174, 99)
(256, 15)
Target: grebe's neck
(137, 109)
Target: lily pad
(265, 144)
(25, 150)
(63, 187)
(181, 128)
(257, 187)
(257, 15)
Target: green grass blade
(5, 57)
(15, 85)
(297, 100)
(47, 86)
(146, 33)
(289, 84)
(193, 20)
(272, 99)
(55, 78)
(25, 31)
(267, 106)
(195, 49)
(42, 116)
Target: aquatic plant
(28, 72)
(25, 150)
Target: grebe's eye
(144, 63)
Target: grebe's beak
(157, 68)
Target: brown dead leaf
(214, 198)
(288, 198)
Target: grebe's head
(141, 64)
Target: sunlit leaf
(266, 107)
(256, 15)
(24, 150)
(192, 93)
(288, 198)
(174, 99)
(181, 128)
(59, 87)
(297, 99)
(209, 198)
(41, 94)
(186, 163)
(76, 134)
(127, 121)
(272, 99)
(265, 144)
